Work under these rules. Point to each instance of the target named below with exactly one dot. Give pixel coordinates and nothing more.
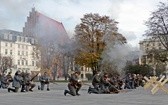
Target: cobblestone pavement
(55, 96)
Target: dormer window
(19, 38)
(23, 39)
(5, 36)
(10, 36)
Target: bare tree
(6, 63)
(158, 24)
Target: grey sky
(130, 14)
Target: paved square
(138, 96)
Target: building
(43, 27)
(50, 35)
(146, 46)
(19, 49)
(38, 29)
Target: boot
(89, 90)
(8, 89)
(65, 92)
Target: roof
(4, 31)
(46, 28)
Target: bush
(145, 70)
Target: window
(22, 52)
(22, 62)
(18, 52)
(18, 62)
(19, 38)
(26, 53)
(26, 62)
(23, 39)
(6, 36)
(6, 51)
(10, 36)
(26, 47)
(32, 63)
(18, 45)
(10, 52)
(22, 46)
(32, 41)
(11, 45)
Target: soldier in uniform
(95, 83)
(9, 77)
(106, 86)
(74, 84)
(23, 83)
(28, 82)
(17, 80)
(4, 81)
(44, 80)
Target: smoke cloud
(119, 54)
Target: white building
(146, 46)
(20, 49)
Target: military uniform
(74, 85)
(96, 84)
(17, 81)
(44, 80)
(4, 81)
(106, 85)
(28, 83)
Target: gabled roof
(46, 28)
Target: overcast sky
(131, 14)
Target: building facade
(148, 45)
(147, 57)
(20, 49)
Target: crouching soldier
(28, 82)
(74, 84)
(44, 80)
(96, 84)
(106, 85)
(4, 81)
(17, 80)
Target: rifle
(34, 77)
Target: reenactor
(9, 77)
(44, 80)
(95, 83)
(17, 80)
(23, 83)
(0, 78)
(128, 81)
(74, 84)
(4, 81)
(106, 86)
(29, 85)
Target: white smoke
(119, 54)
